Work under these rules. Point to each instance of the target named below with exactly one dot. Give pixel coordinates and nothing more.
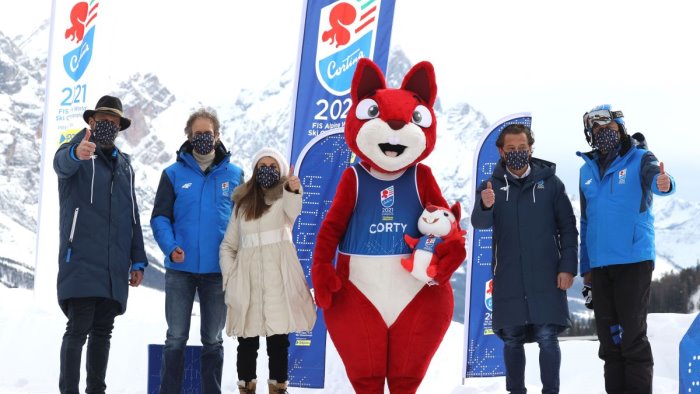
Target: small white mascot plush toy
(437, 224)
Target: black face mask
(517, 159)
(267, 176)
(105, 132)
(605, 140)
(203, 143)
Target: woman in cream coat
(265, 289)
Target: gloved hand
(450, 254)
(588, 296)
(326, 282)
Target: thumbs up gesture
(488, 197)
(85, 149)
(293, 181)
(663, 181)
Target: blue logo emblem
(347, 32)
(387, 197)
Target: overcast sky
(552, 58)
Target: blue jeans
(514, 354)
(180, 289)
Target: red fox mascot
(385, 324)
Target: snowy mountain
(250, 119)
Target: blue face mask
(605, 140)
(517, 159)
(105, 132)
(203, 143)
(267, 176)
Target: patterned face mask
(267, 176)
(105, 132)
(606, 139)
(203, 143)
(517, 159)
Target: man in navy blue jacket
(101, 250)
(535, 244)
(616, 185)
(190, 214)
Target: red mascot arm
(452, 252)
(323, 275)
(410, 241)
(428, 188)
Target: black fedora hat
(109, 105)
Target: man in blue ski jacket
(616, 185)
(190, 214)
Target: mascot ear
(457, 210)
(420, 80)
(367, 79)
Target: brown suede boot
(246, 387)
(277, 388)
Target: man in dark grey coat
(101, 243)
(535, 249)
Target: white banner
(69, 91)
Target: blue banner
(336, 35)
(483, 350)
(688, 360)
(320, 165)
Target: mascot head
(439, 221)
(391, 129)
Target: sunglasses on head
(599, 117)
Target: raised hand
(663, 181)
(86, 149)
(293, 180)
(488, 197)
(178, 255)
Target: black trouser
(277, 353)
(93, 316)
(621, 300)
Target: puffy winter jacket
(617, 225)
(534, 239)
(100, 230)
(192, 209)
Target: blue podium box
(191, 377)
(689, 359)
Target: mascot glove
(326, 282)
(451, 254)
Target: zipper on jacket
(263, 327)
(495, 260)
(131, 193)
(72, 232)
(92, 181)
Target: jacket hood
(539, 170)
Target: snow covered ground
(30, 339)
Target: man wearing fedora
(101, 244)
